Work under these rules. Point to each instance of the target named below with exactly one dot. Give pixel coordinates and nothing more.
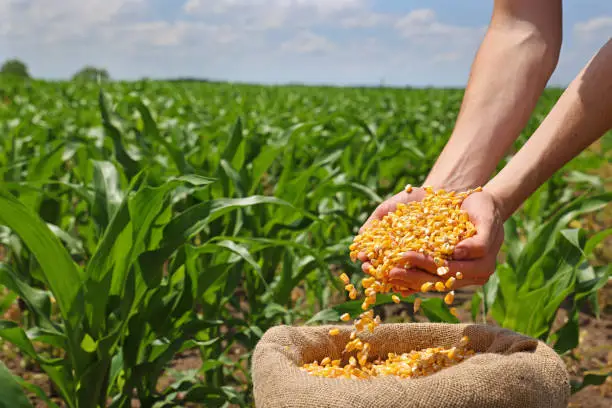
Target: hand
(474, 257)
(386, 207)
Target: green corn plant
(552, 267)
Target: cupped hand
(474, 257)
(386, 207)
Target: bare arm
(581, 116)
(514, 62)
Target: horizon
(339, 43)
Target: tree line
(18, 69)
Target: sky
(343, 42)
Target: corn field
(144, 221)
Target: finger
(419, 260)
(362, 257)
(473, 247)
(380, 211)
(411, 278)
(478, 245)
(478, 269)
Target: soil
(593, 353)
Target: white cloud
(307, 43)
(365, 20)
(423, 24)
(597, 26)
(65, 20)
(272, 14)
(222, 6)
(268, 40)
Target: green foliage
(14, 68)
(89, 73)
(155, 218)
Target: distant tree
(15, 68)
(90, 73)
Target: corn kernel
(442, 270)
(426, 287)
(334, 332)
(459, 275)
(432, 226)
(449, 298)
(345, 317)
(417, 304)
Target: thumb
(377, 214)
(475, 246)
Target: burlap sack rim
(293, 374)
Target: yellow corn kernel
(345, 317)
(395, 298)
(353, 294)
(367, 282)
(449, 298)
(459, 275)
(345, 278)
(440, 287)
(450, 283)
(408, 188)
(326, 361)
(453, 311)
(426, 287)
(417, 304)
(334, 332)
(349, 287)
(442, 270)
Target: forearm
(581, 116)
(511, 69)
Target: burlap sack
(514, 371)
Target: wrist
(452, 181)
(502, 196)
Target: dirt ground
(593, 353)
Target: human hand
(474, 257)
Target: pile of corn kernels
(432, 226)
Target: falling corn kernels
(345, 317)
(442, 270)
(449, 298)
(453, 311)
(426, 287)
(417, 304)
(334, 332)
(432, 226)
(408, 188)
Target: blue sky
(398, 42)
